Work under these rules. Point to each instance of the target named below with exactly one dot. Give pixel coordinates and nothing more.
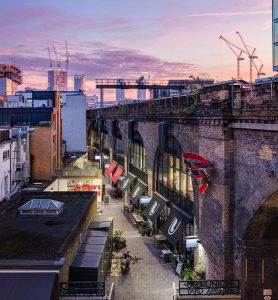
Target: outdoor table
(166, 252)
(138, 219)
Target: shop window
(170, 170)
(118, 146)
(137, 155)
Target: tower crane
(67, 61)
(238, 56)
(251, 58)
(58, 62)
(50, 60)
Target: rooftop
(42, 238)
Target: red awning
(110, 169)
(117, 174)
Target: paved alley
(147, 279)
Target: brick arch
(263, 220)
(149, 134)
(123, 126)
(248, 206)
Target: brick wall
(235, 129)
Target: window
(118, 146)
(6, 184)
(6, 155)
(137, 155)
(170, 169)
(105, 141)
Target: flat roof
(42, 237)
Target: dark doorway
(260, 276)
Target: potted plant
(119, 241)
(145, 228)
(188, 274)
(200, 270)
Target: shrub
(188, 274)
(145, 228)
(119, 241)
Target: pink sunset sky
(124, 39)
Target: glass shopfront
(173, 178)
(137, 158)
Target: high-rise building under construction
(57, 80)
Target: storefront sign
(137, 191)
(125, 184)
(117, 174)
(110, 169)
(267, 292)
(200, 168)
(192, 241)
(88, 187)
(175, 225)
(154, 208)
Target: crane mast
(67, 61)
(238, 56)
(50, 60)
(250, 55)
(58, 62)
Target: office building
(10, 79)
(79, 82)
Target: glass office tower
(275, 34)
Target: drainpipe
(10, 166)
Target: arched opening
(118, 144)
(137, 161)
(173, 182)
(261, 252)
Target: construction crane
(58, 62)
(238, 56)
(251, 58)
(67, 61)
(50, 60)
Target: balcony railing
(174, 196)
(138, 173)
(209, 287)
(119, 159)
(82, 289)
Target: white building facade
(14, 160)
(74, 123)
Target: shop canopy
(175, 224)
(137, 191)
(110, 169)
(127, 181)
(117, 174)
(154, 207)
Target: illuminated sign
(117, 174)
(110, 169)
(200, 168)
(87, 188)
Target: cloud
(231, 13)
(103, 63)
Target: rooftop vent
(41, 207)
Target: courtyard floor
(147, 279)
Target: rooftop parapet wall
(225, 101)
